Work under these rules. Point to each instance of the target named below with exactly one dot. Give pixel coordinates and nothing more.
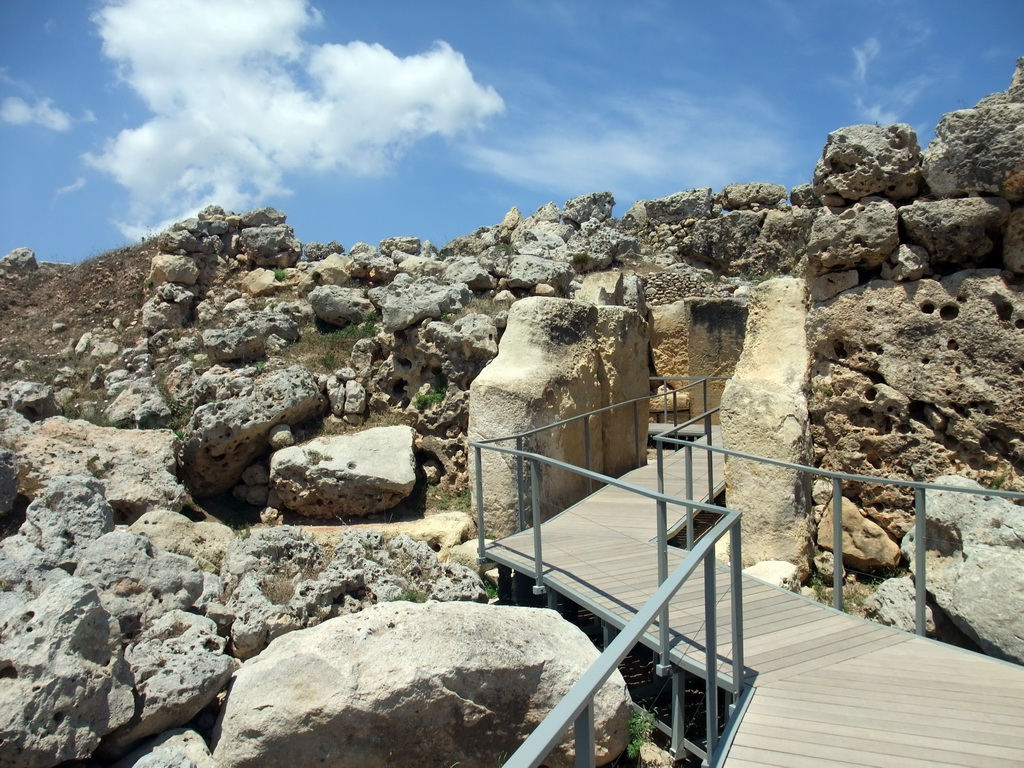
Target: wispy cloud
(863, 55)
(71, 188)
(17, 111)
(631, 145)
(230, 122)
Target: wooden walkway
(829, 689)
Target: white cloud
(240, 107)
(71, 188)
(664, 140)
(19, 112)
(863, 56)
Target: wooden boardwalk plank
(830, 689)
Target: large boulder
(959, 232)
(204, 541)
(978, 151)
(31, 399)
(677, 208)
(281, 579)
(861, 236)
(224, 437)
(178, 666)
(346, 475)
(863, 160)
(176, 748)
(723, 242)
(764, 412)
(64, 680)
(975, 565)
(866, 545)
(558, 358)
(137, 468)
(466, 682)
(269, 246)
(340, 306)
(753, 197)
(915, 380)
(597, 206)
(407, 301)
(140, 405)
(138, 582)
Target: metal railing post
(920, 554)
(519, 484)
(586, 450)
(711, 456)
(636, 433)
(664, 669)
(480, 543)
(689, 495)
(538, 558)
(711, 653)
(736, 572)
(675, 407)
(837, 543)
(584, 730)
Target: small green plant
(641, 728)
(425, 400)
(95, 469)
(445, 499)
(280, 275)
(581, 260)
(315, 456)
(490, 589)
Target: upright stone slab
(764, 412)
(557, 358)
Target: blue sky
(364, 120)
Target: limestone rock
(781, 245)
(866, 546)
(916, 379)
(280, 579)
(260, 282)
(138, 582)
(863, 160)
(64, 679)
(894, 604)
(140, 405)
(224, 437)
(176, 748)
(764, 412)
(596, 206)
(169, 307)
(173, 268)
(978, 150)
(406, 301)
(33, 400)
(340, 306)
(910, 262)
(752, 197)
(558, 358)
(246, 339)
(776, 572)
(407, 245)
(955, 231)
(68, 513)
(441, 531)
(975, 565)
(453, 674)
(270, 246)
(722, 241)
(863, 235)
(178, 666)
(346, 475)
(20, 260)
(205, 541)
(470, 271)
(1013, 244)
(137, 468)
(528, 271)
(691, 204)
(8, 480)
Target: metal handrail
(920, 513)
(578, 708)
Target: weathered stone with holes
(138, 468)
(346, 475)
(65, 683)
(960, 232)
(752, 197)
(451, 673)
(863, 160)
(224, 437)
(915, 379)
(861, 236)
